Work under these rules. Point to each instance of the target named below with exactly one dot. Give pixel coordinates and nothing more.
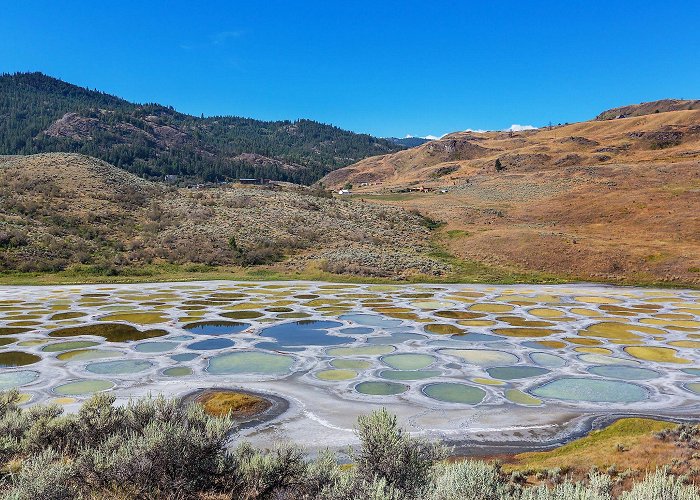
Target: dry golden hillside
(613, 200)
(69, 212)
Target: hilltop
(65, 211)
(648, 108)
(42, 114)
(615, 200)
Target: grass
(602, 449)
(463, 271)
(456, 233)
(388, 197)
(223, 403)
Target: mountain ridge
(40, 114)
(598, 200)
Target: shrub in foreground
(156, 448)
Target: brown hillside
(60, 211)
(615, 199)
(647, 108)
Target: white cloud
(430, 137)
(476, 130)
(520, 128)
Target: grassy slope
(600, 449)
(614, 201)
(464, 271)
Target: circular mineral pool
(67, 346)
(305, 333)
(601, 359)
(184, 356)
(211, 344)
(216, 327)
(443, 329)
(539, 344)
(357, 330)
(521, 398)
(17, 358)
(371, 320)
(624, 372)
(350, 364)
(336, 374)
(373, 388)
(516, 372)
(80, 387)
(112, 332)
(449, 392)
(10, 380)
(88, 354)
(9, 340)
(408, 361)
(657, 354)
(153, 347)
(120, 367)
(242, 314)
(409, 374)
(547, 360)
(274, 346)
(140, 318)
(67, 315)
(693, 387)
(483, 357)
(177, 371)
(476, 337)
(591, 390)
(395, 338)
(250, 362)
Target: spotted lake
(462, 362)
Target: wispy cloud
(430, 137)
(214, 40)
(223, 36)
(520, 128)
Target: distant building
(255, 181)
(171, 178)
(344, 191)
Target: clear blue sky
(386, 68)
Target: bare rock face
(579, 141)
(455, 149)
(265, 161)
(648, 108)
(74, 126)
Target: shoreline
(589, 424)
(574, 429)
(278, 406)
(7, 281)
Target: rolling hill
(41, 114)
(615, 199)
(70, 212)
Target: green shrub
(158, 448)
(472, 479)
(388, 453)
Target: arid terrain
(63, 211)
(609, 199)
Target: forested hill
(42, 114)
